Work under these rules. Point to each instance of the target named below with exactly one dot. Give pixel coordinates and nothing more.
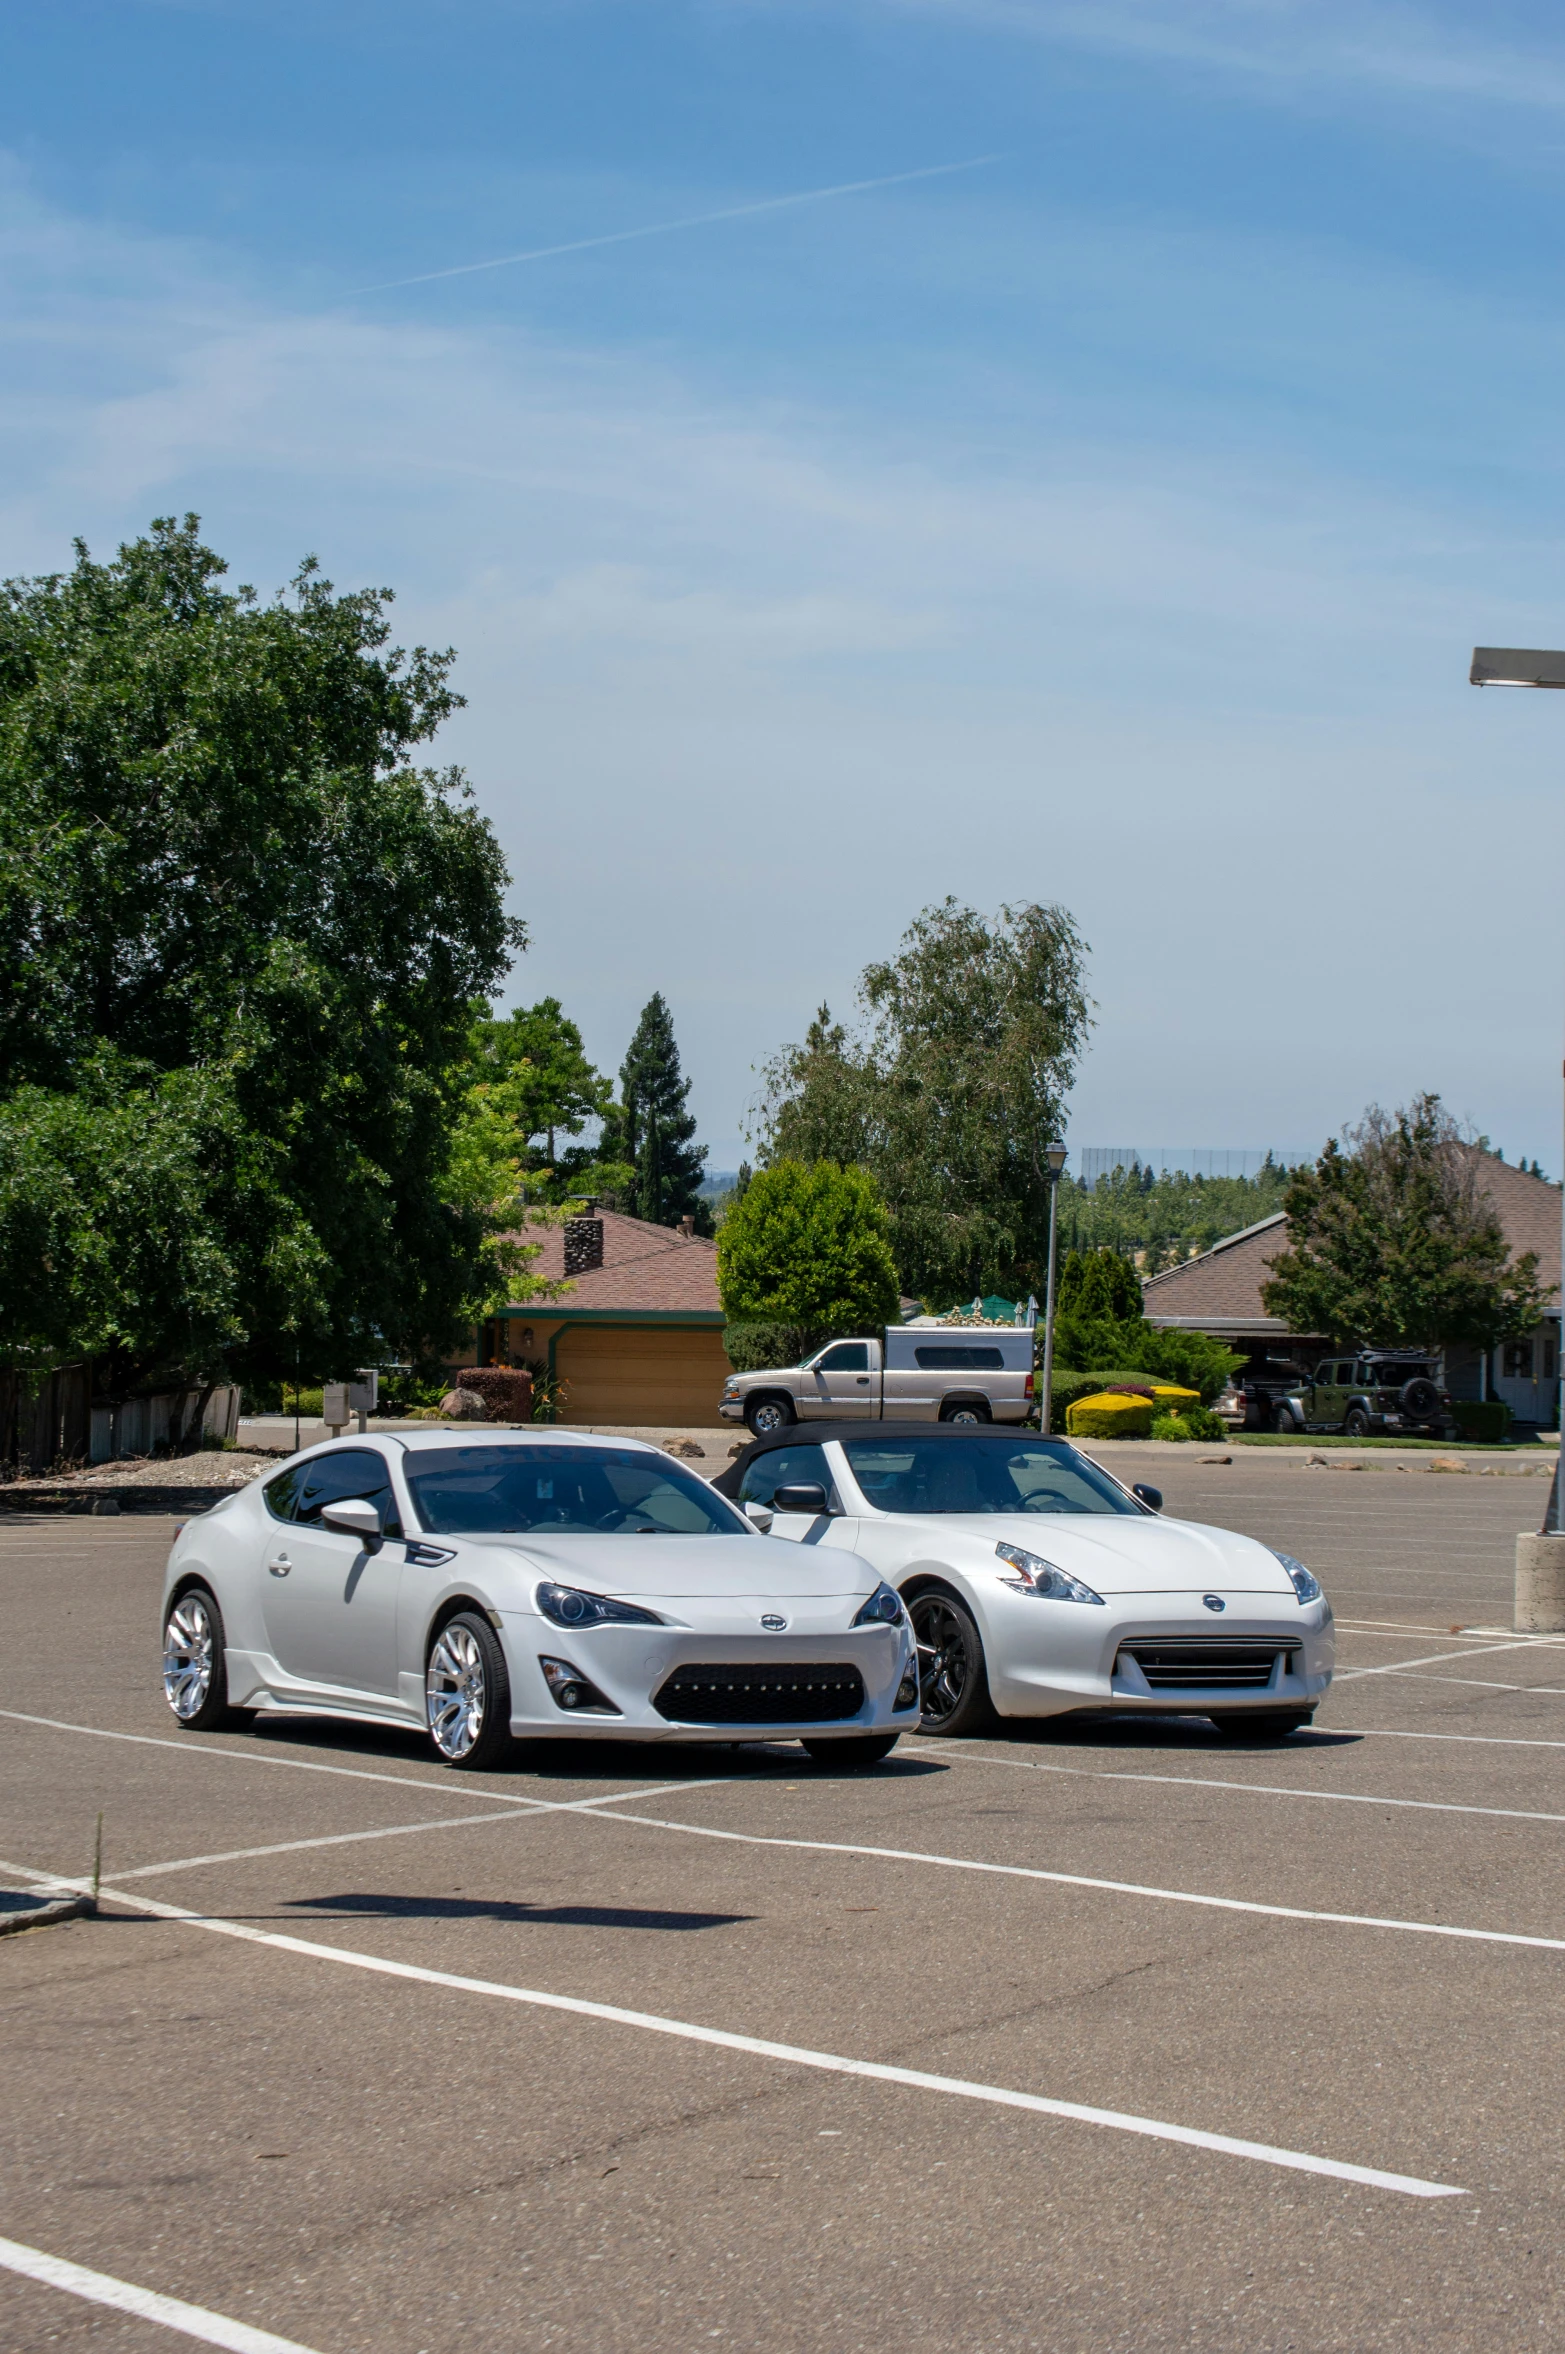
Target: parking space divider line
(1440, 1658)
(795, 2055)
(101, 2288)
(1483, 1740)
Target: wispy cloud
(729, 212)
(1435, 52)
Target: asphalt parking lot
(1172, 2042)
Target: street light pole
(1054, 1157)
(1524, 666)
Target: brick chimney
(583, 1243)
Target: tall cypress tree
(656, 1129)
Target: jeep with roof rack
(1369, 1393)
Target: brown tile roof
(1222, 1288)
(644, 1267)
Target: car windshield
(563, 1491)
(981, 1475)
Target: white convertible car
(1038, 1584)
(520, 1584)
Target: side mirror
(804, 1496)
(1151, 1497)
(353, 1517)
(758, 1515)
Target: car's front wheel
(763, 1416)
(195, 1669)
(855, 1749)
(467, 1694)
(953, 1685)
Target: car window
(282, 1493)
(332, 1479)
(1344, 1377)
(1325, 1375)
(787, 1467)
(564, 1491)
(980, 1475)
(943, 1357)
(849, 1356)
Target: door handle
(863, 1381)
(280, 1565)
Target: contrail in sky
(732, 212)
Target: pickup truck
(913, 1373)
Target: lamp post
(1540, 1560)
(1054, 1158)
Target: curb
(44, 1916)
(112, 1500)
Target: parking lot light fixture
(1054, 1164)
(1533, 666)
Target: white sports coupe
(1037, 1584)
(521, 1584)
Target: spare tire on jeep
(1420, 1400)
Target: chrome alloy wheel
(454, 1695)
(188, 1656)
(944, 1669)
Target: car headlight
(883, 1609)
(1037, 1576)
(568, 1606)
(1305, 1584)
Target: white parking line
(799, 2055)
(101, 2288)
(1400, 1667)
(1438, 1806)
(1483, 1740)
(1480, 1683)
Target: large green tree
(241, 934)
(970, 1038)
(652, 1129)
(810, 1247)
(1396, 1242)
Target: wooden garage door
(641, 1375)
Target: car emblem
(1214, 1602)
(773, 1624)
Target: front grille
(748, 1695)
(1197, 1663)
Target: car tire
(467, 1695)
(1355, 1423)
(195, 1665)
(1263, 1724)
(953, 1683)
(857, 1749)
(1283, 1422)
(966, 1410)
(763, 1416)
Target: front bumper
(630, 1664)
(1049, 1658)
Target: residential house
(636, 1338)
(1220, 1293)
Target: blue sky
(1109, 523)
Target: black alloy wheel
(1356, 1425)
(953, 1688)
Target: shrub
(1110, 1415)
(1171, 1428)
(1067, 1388)
(1189, 1422)
(808, 1247)
(507, 1391)
(756, 1348)
(1487, 1420)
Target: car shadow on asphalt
(463, 1908)
(1194, 1735)
(567, 1761)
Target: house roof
(1221, 1290)
(646, 1270)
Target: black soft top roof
(809, 1434)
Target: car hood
(685, 1569)
(1116, 1555)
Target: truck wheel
(965, 1410)
(1356, 1424)
(762, 1416)
(1284, 1422)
